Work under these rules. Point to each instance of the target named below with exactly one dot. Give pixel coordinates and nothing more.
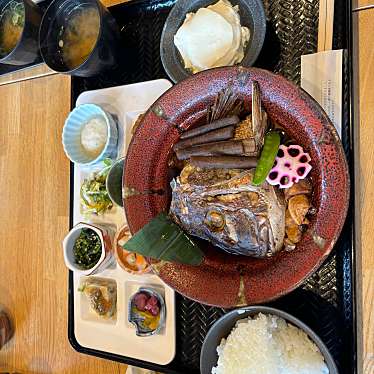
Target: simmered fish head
(229, 211)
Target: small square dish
(98, 299)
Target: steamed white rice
(266, 344)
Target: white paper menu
(321, 77)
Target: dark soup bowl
(252, 16)
(224, 279)
(19, 27)
(78, 38)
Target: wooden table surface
(34, 175)
(364, 124)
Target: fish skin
(247, 220)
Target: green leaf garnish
(162, 239)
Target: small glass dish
(145, 322)
(131, 262)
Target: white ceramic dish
(107, 254)
(87, 314)
(119, 336)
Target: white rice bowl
(267, 344)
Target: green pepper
(268, 154)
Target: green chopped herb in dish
(87, 249)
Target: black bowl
(252, 15)
(223, 327)
(26, 50)
(114, 182)
(103, 54)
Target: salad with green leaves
(94, 195)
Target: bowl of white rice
(263, 340)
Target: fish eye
(215, 220)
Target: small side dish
(102, 296)
(147, 311)
(12, 20)
(94, 194)
(90, 135)
(276, 347)
(200, 35)
(217, 28)
(131, 262)
(87, 249)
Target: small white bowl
(106, 257)
(71, 134)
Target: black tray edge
(165, 369)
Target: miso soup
(12, 19)
(79, 37)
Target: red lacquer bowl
(223, 279)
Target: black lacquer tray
(326, 301)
